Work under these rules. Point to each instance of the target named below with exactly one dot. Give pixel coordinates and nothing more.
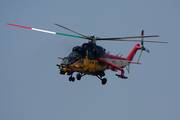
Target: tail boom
(133, 52)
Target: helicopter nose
(64, 65)
(64, 68)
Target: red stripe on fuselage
(19, 26)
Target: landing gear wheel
(103, 81)
(71, 79)
(78, 76)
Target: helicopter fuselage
(84, 59)
(75, 62)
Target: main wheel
(103, 81)
(78, 76)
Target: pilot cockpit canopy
(76, 55)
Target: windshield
(65, 61)
(73, 57)
(68, 60)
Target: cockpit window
(65, 61)
(75, 55)
(72, 54)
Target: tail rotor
(142, 46)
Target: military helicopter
(91, 59)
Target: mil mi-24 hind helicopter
(91, 59)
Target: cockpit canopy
(92, 51)
(73, 57)
(65, 61)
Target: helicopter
(92, 59)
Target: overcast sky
(31, 87)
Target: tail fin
(133, 52)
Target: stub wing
(113, 68)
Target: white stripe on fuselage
(117, 62)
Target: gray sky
(31, 87)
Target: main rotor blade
(40, 30)
(85, 37)
(59, 58)
(124, 38)
(119, 38)
(137, 41)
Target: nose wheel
(71, 79)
